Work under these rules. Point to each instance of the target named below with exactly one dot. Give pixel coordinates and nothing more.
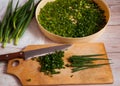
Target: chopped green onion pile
(72, 18)
(50, 62)
(15, 21)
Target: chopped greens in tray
(72, 18)
(52, 63)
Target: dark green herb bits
(72, 18)
(50, 62)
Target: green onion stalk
(16, 21)
(5, 19)
(85, 62)
(20, 18)
(7, 27)
(25, 25)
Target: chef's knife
(27, 54)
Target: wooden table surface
(111, 39)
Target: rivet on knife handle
(10, 56)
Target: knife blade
(28, 54)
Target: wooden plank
(112, 45)
(113, 2)
(115, 15)
(114, 6)
(115, 59)
(111, 38)
(29, 69)
(115, 70)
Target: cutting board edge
(74, 83)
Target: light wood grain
(114, 6)
(113, 2)
(115, 69)
(111, 38)
(30, 69)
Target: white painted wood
(111, 39)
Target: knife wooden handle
(10, 56)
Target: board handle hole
(15, 63)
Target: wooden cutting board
(28, 71)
